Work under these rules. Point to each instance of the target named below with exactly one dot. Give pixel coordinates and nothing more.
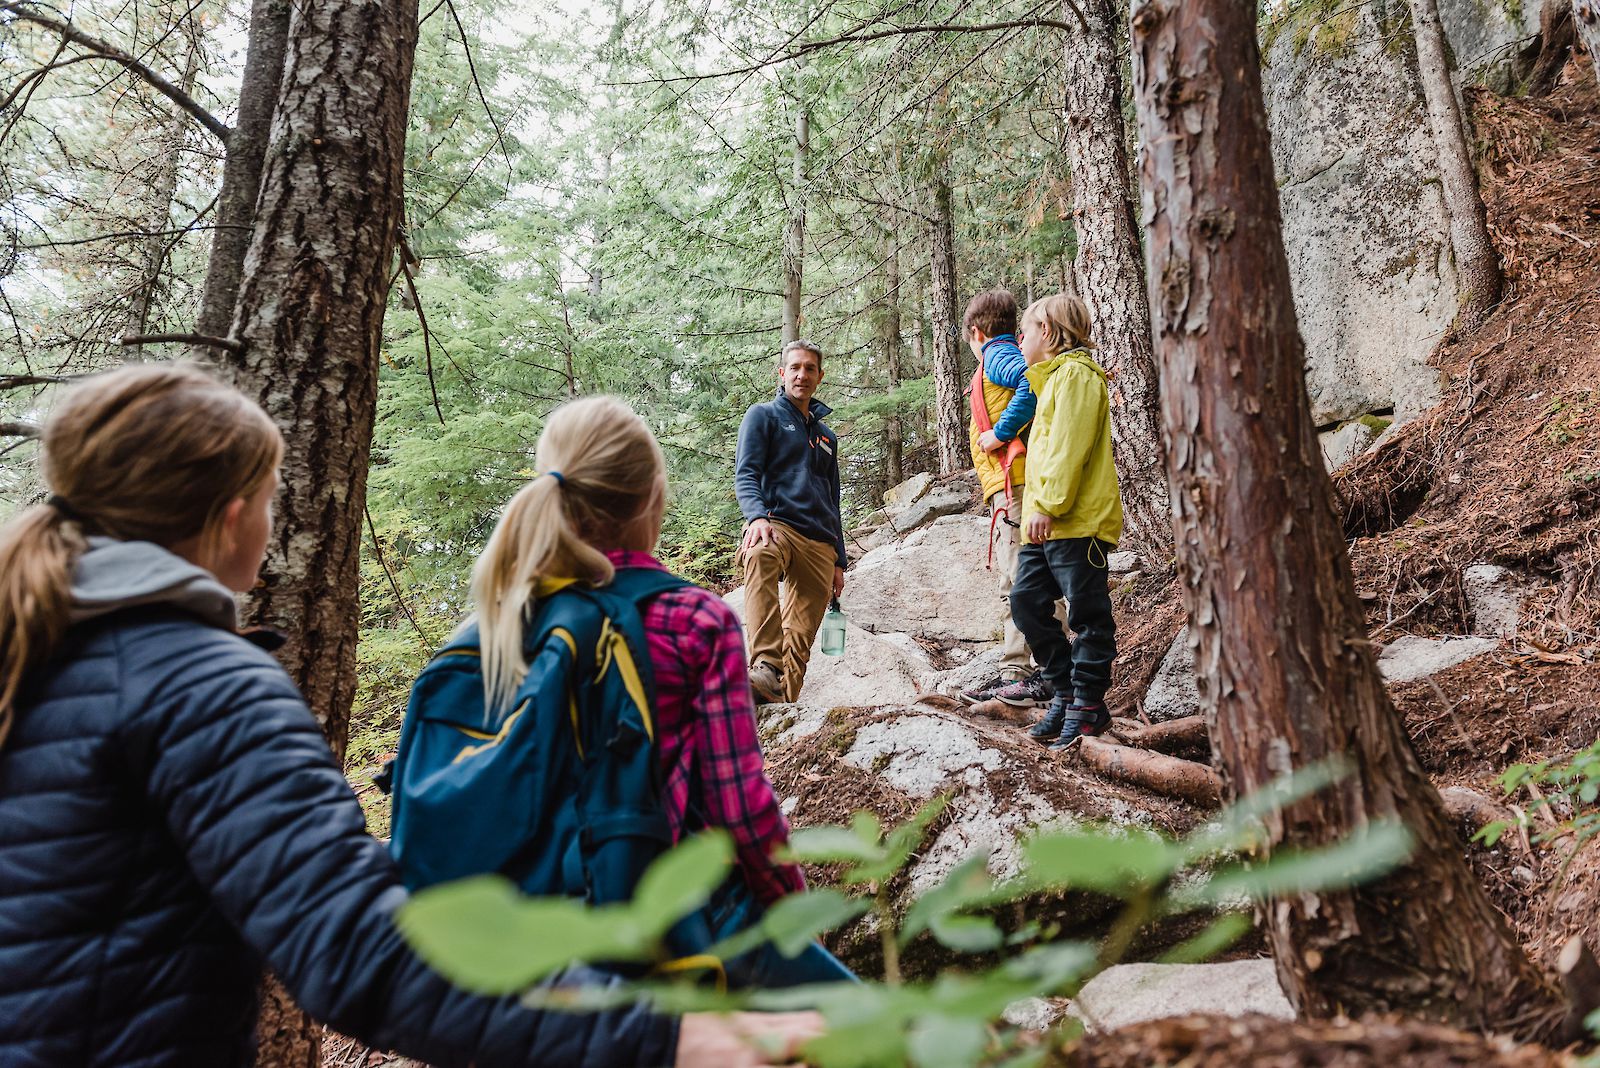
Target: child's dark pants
(1074, 568)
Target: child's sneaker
(984, 691)
(1044, 732)
(1081, 719)
(767, 683)
(1031, 692)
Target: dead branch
(1580, 979)
(204, 340)
(407, 258)
(105, 50)
(18, 430)
(1167, 775)
(24, 381)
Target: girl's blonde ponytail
(603, 469)
(149, 452)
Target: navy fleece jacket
(788, 469)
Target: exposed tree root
(1185, 779)
(1472, 811)
(1187, 734)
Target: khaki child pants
(780, 632)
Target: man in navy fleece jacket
(787, 480)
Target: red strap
(980, 419)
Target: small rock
(1495, 596)
(1523, 874)
(1133, 993)
(1173, 692)
(1409, 657)
(1125, 560)
(1035, 1014)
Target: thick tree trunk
(1477, 263)
(1586, 18)
(794, 241)
(310, 314)
(242, 163)
(1286, 673)
(163, 186)
(1109, 269)
(893, 430)
(949, 401)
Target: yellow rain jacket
(1071, 477)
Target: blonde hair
(602, 469)
(1065, 320)
(150, 452)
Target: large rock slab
(933, 584)
(876, 669)
(1409, 657)
(1127, 994)
(1363, 221)
(948, 499)
(826, 764)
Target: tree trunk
(1477, 263)
(310, 314)
(1109, 269)
(950, 425)
(794, 242)
(1286, 673)
(163, 187)
(1586, 18)
(893, 430)
(1556, 37)
(242, 163)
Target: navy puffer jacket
(170, 821)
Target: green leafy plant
(484, 936)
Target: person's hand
(1036, 531)
(989, 442)
(759, 532)
(744, 1039)
(838, 581)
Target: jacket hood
(1040, 371)
(114, 575)
(818, 409)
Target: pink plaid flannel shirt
(706, 726)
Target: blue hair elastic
(561, 479)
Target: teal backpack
(559, 792)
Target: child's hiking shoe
(766, 682)
(984, 691)
(1079, 720)
(1044, 732)
(1031, 692)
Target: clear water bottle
(833, 630)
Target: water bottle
(833, 630)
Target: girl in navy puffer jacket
(170, 817)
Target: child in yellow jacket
(1072, 519)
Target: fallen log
(1186, 734)
(1580, 979)
(1185, 779)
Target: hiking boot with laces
(1045, 731)
(1031, 692)
(984, 691)
(1079, 720)
(766, 682)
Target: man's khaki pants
(1016, 660)
(780, 632)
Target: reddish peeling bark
(1287, 675)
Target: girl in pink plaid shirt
(606, 481)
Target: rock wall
(1364, 224)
